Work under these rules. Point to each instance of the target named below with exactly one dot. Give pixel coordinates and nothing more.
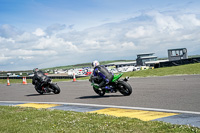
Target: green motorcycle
(115, 85)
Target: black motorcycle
(46, 86)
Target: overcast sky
(50, 33)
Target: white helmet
(95, 63)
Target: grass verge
(165, 71)
(26, 120)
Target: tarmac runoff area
(145, 114)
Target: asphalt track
(170, 94)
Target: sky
(50, 33)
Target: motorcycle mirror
(126, 79)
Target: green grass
(165, 71)
(189, 69)
(29, 120)
(4, 81)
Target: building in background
(143, 58)
(121, 64)
(177, 54)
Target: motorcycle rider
(101, 75)
(38, 78)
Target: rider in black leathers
(38, 78)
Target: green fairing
(95, 85)
(116, 77)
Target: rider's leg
(102, 84)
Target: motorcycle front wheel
(55, 88)
(99, 92)
(124, 88)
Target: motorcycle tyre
(99, 92)
(39, 91)
(126, 90)
(55, 88)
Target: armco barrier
(52, 77)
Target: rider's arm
(94, 75)
(33, 80)
(95, 71)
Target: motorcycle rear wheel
(124, 88)
(99, 92)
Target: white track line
(109, 106)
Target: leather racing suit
(38, 78)
(102, 76)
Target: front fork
(95, 85)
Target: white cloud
(3, 58)
(165, 22)
(190, 20)
(25, 58)
(91, 42)
(4, 41)
(128, 45)
(139, 32)
(151, 31)
(55, 28)
(39, 32)
(8, 31)
(56, 44)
